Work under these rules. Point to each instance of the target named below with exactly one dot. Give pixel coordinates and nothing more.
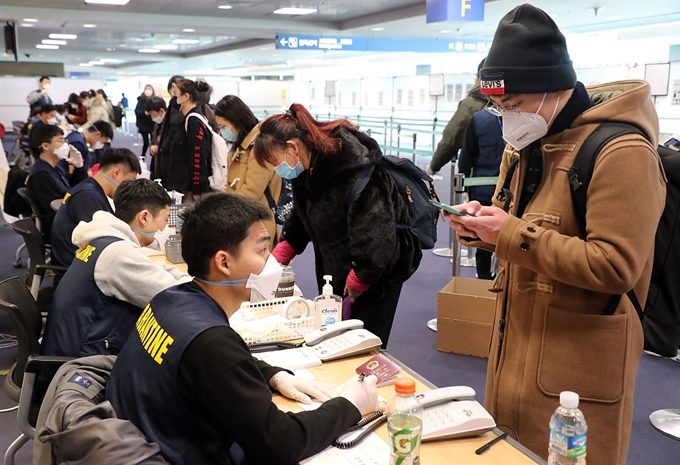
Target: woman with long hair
(358, 244)
(239, 126)
(191, 152)
(144, 122)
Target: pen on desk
(486, 446)
(361, 376)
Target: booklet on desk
(383, 368)
(291, 359)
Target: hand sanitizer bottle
(328, 305)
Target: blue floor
(658, 381)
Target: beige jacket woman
(246, 177)
(553, 284)
(98, 111)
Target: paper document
(291, 359)
(370, 451)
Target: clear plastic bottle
(328, 306)
(568, 433)
(405, 424)
(286, 287)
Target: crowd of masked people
(182, 385)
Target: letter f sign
(464, 6)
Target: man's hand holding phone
(479, 222)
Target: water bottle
(568, 433)
(405, 424)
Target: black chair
(17, 301)
(37, 261)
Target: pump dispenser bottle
(328, 305)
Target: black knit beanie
(528, 55)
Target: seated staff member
(239, 126)
(198, 392)
(47, 114)
(50, 177)
(89, 196)
(91, 139)
(111, 279)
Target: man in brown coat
(554, 282)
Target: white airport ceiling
(242, 39)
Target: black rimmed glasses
(498, 111)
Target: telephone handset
(453, 412)
(341, 339)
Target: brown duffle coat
(553, 284)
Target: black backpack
(661, 316)
(417, 189)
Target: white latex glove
(75, 157)
(300, 390)
(363, 394)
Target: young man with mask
(50, 177)
(41, 96)
(91, 139)
(156, 109)
(111, 279)
(198, 392)
(562, 319)
(47, 114)
(91, 195)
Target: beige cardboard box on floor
(465, 310)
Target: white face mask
(264, 284)
(87, 103)
(148, 92)
(99, 145)
(53, 121)
(521, 129)
(46, 87)
(63, 151)
(158, 119)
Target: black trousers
(146, 138)
(483, 261)
(376, 308)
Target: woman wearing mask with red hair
(358, 244)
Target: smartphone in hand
(448, 208)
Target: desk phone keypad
(333, 346)
(443, 415)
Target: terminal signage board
(437, 11)
(362, 44)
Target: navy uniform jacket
(78, 205)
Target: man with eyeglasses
(562, 321)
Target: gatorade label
(405, 447)
(568, 446)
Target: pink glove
(353, 282)
(283, 252)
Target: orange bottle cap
(405, 386)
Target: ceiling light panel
(47, 47)
(149, 50)
(186, 41)
(54, 42)
(63, 36)
(108, 2)
(294, 11)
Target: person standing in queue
(563, 321)
(191, 152)
(245, 176)
(358, 244)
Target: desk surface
(454, 451)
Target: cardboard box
(465, 312)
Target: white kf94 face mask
(521, 129)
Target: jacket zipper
(106, 343)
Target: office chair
(17, 301)
(37, 268)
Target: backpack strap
(270, 198)
(360, 183)
(580, 175)
(201, 118)
(505, 194)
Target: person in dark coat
(359, 244)
(191, 151)
(172, 124)
(144, 122)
